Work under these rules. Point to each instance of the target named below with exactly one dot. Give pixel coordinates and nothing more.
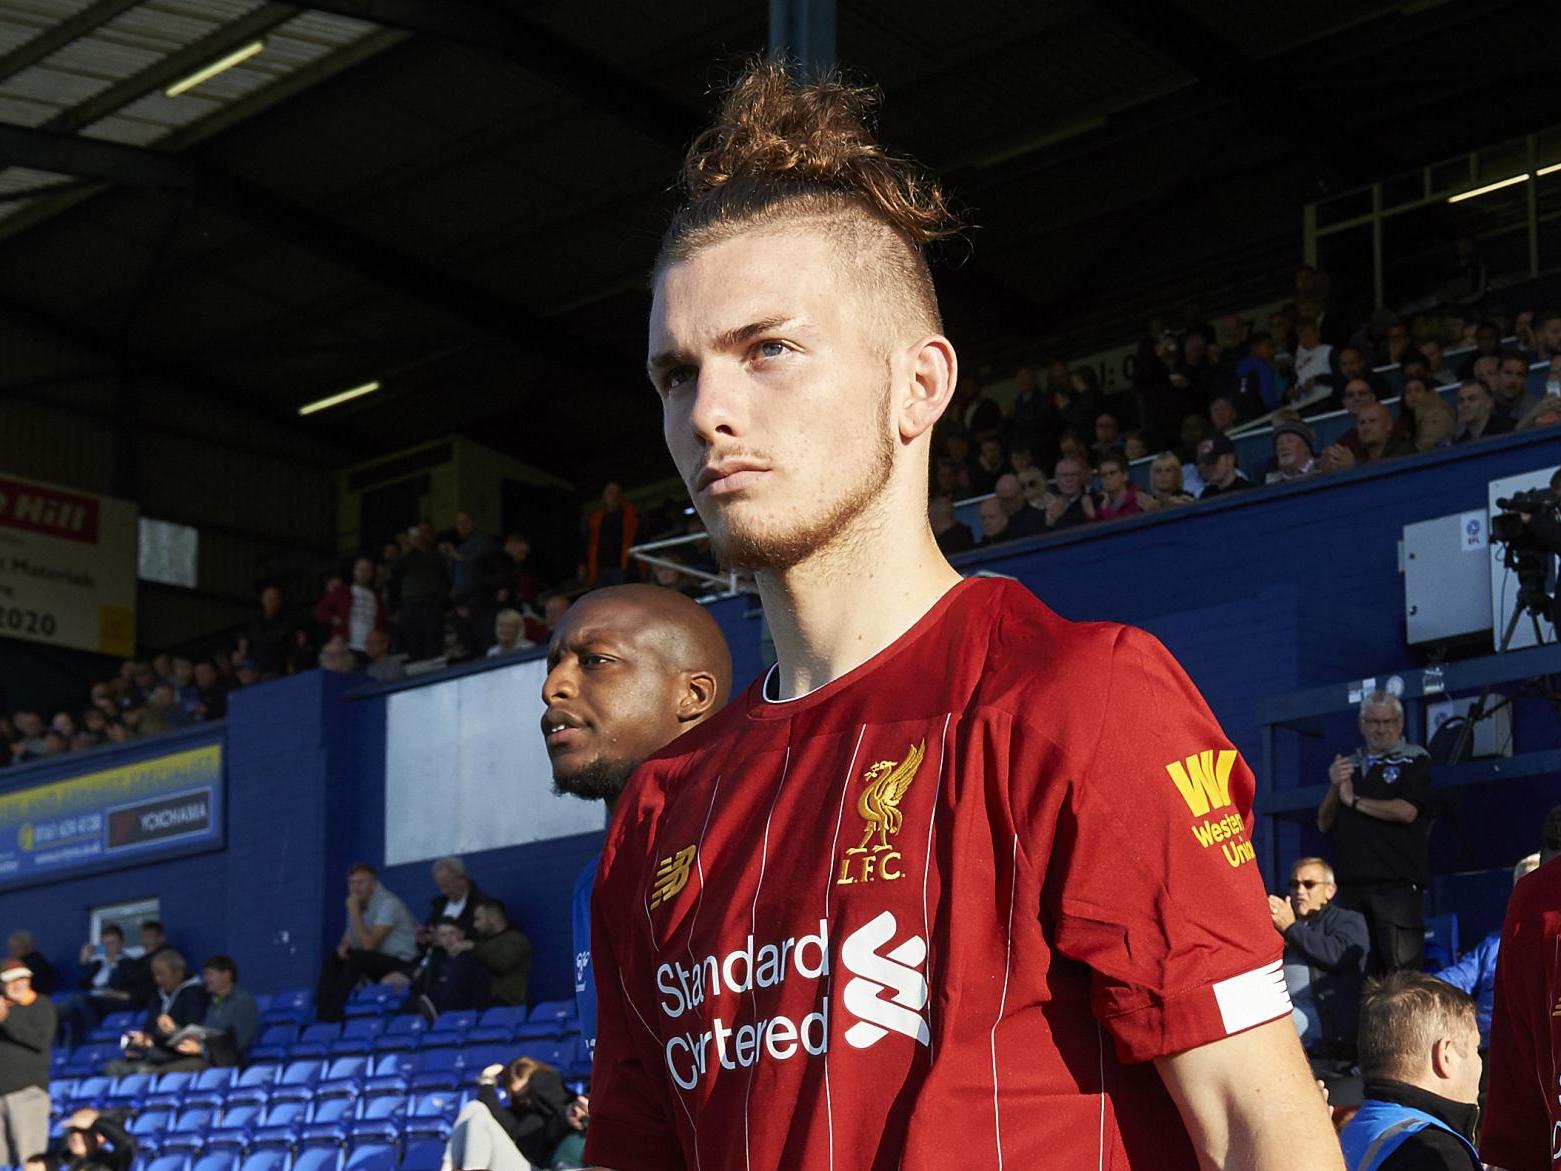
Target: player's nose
(719, 405)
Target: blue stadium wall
(1257, 595)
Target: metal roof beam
(499, 29)
(52, 40)
(284, 219)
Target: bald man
(630, 668)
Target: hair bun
(775, 131)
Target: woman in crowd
(541, 1127)
(1165, 484)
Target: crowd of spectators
(1056, 455)
(429, 597)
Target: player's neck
(831, 614)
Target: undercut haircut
(1402, 1016)
(784, 153)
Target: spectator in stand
(950, 478)
(1165, 484)
(26, 1050)
(973, 411)
(1161, 391)
(1032, 482)
(422, 585)
(382, 666)
(1324, 963)
(1545, 413)
(990, 464)
(1474, 973)
(1295, 452)
(352, 608)
(1022, 520)
(1194, 372)
(522, 588)
(1419, 1054)
(553, 607)
(1021, 455)
(953, 536)
(509, 628)
(503, 949)
(179, 1002)
(669, 577)
(1431, 351)
(1547, 349)
(530, 1131)
(1025, 412)
(1377, 809)
(1512, 394)
(230, 1026)
(1070, 504)
(210, 697)
(269, 637)
(380, 938)
(994, 522)
(105, 985)
(154, 941)
(1223, 416)
(448, 978)
(609, 534)
(1379, 441)
(1487, 344)
(1313, 357)
(1477, 417)
(1135, 445)
(1217, 468)
(478, 571)
(334, 656)
(457, 899)
(1398, 345)
(21, 946)
(1108, 434)
(92, 1141)
(1258, 389)
(1118, 495)
(1075, 401)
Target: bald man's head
(630, 668)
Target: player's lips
(561, 728)
(728, 475)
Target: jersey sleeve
(1154, 881)
(631, 1121)
(1516, 1128)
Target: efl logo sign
(48, 511)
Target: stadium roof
(460, 198)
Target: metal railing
(728, 584)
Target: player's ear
(931, 372)
(699, 695)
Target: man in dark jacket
(181, 999)
(449, 978)
(21, 946)
(1420, 1055)
(503, 950)
(1325, 959)
(26, 1039)
(422, 587)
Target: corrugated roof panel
(20, 112)
(14, 179)
(22, 20)
(53, 87)
(174, 25)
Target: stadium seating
(292, 1007)
(216, 1161)
(276, 1041)
(114, 1026)
(268, 1160)
(375, 1000)
(316, 1041)
(343, 1077)
(169, 1163)
(449, 1030)
(400, 1035)
(169, 1089)
(497, 1024)
(357, 1036)
(253, 1086)
(422, 1155)
(210, 1088)
(201, 1130)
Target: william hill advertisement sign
(67, 567)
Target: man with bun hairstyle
(957, 883)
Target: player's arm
(1250, 1103)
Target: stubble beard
(601, 780)
(779, 543)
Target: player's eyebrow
(728, 340)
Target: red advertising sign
(49, 511)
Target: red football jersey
(940, 912)
(1522, 1127)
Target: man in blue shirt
(1475, 970)
(630, 668)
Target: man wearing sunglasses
(1325, 961)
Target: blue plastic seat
(343, 1077)
(217, 1161)
(421, 1155)
(297, 1081)
(578, 1064)
(400, 1035)
(296, 1005)
(374, 1000)
(380, 1120)
(169, 1089)
(87, 1060)
(280, 1126)
(436, 1069)
(497, 1025)
(166, 1162)
(61, 1089)
(432, 1114)
(229, 1132)
(371, 1156)
(475, 1060)
(275, 1043)
(318, 1158)
(267, 1160)
(209, 1089)
(357, 1036)
(449, 1030)
(253, 1086)
(129, 1092)
(114, 1026)
(149, 1123)
(316, 1041)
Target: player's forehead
(758, 276)
(599, 623)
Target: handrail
(731, 583)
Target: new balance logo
(886, 992)
(671, 875)
(1203, 779)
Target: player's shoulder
(1536, 892)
